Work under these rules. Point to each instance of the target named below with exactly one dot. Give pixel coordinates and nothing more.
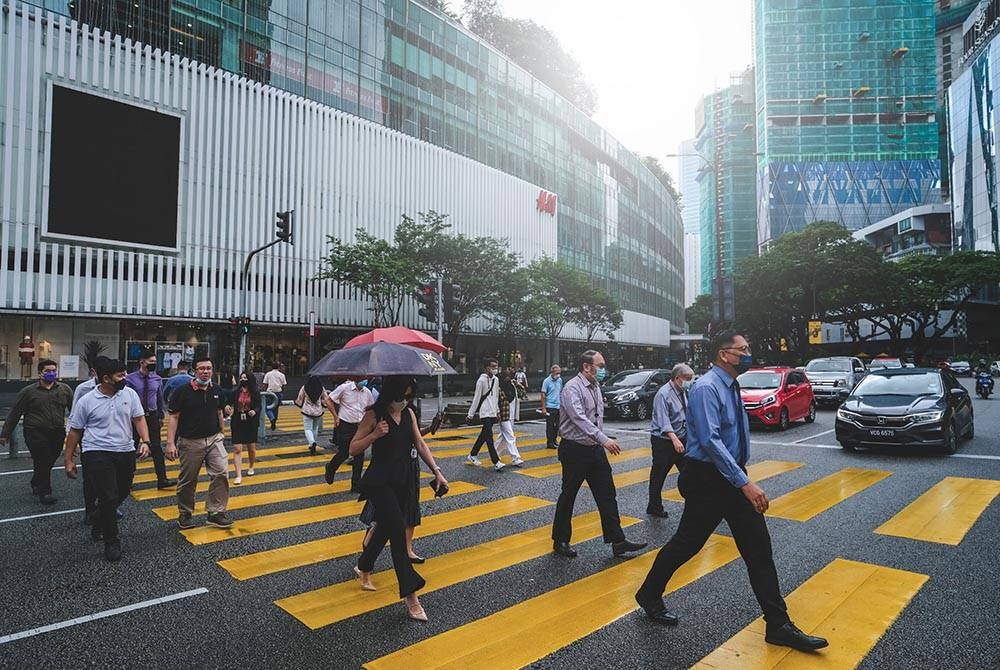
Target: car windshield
(827, 365)
(628, 378)
(926, 383)
(759, 380)
(886, 363)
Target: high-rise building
(950, 15)
(846, 111)
(973, 99)
(688, 166)
(728, 199)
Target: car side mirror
(791, 387)
(958, 393)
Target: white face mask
(398, 405)
(686, 384)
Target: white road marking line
(813, 437)
(978, 457)
(25, 472)
(39, 516)
(100, 615)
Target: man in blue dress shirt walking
(715, 486)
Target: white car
(995, 368)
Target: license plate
(882, 432)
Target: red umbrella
(398, 335)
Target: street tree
(698, 315)
(518, 312)
(560, 290)
(596, 311)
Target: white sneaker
(517, 461)
(238, 480)
(498, 466)
(250, 472)
(471, 460)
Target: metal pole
(243, 302)
(312, 338)
(440, 315)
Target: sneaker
(113, 551)
(471, 460)
(185, 521)
(219, 520)
(312, 449)
(250, 472)
(238, 480)
(519, 462)
(498, 466)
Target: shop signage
(982, 30)
(546, 202)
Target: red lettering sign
(546, 202)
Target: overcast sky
(650, 61)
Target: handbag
(477, 420)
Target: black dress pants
(390, 500)
(551, 427)
(583, 463)
(708, 499)
(664, 458)
(345, 433)
(155, 447)
(110, 476)
(44, 445)
(486, 437)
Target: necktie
(744, 448)
(145, 393)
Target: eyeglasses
(742, 350)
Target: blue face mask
(600, 374)
(50, 376)
(202, 382)
(746, 362)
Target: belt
(580, 444)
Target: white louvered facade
(247, 150)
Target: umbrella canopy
(381, 358)
(398, 335)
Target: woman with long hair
(507, 411)
(244, 424)
(312, 400)
(390, 428)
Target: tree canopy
(654, 166)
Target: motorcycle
(984, 385)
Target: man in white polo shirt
(104, 419)
(353, 398)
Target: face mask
(363, 384)
(119, 385)
(398, 405)
(600, 374)
(202, 382)
(746, 362)
(244, 382)
(686, 384)
(49, 377)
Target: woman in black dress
(245, 423)
(391, 429)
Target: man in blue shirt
(667, 433)
(715, 486)
(551, 389)
(177, 380)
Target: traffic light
(245, 325)
(452, 298)
(426, 295)
(234, 325)
(284, 226)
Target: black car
(907, 407)
(629, 394)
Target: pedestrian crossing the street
(852, 603)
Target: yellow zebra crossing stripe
(526, 632)
(263, 453)
(464, 451)
(301, 517)
(267, 478)
(556, 468)
(757, 472)
(851, 604)
(945, 512)
(804, 503)
(330, 604)
(306, 553)
(147, 478)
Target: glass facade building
(846, 111)
(726, 140)
(400, 64)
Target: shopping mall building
(146, 146)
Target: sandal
(416, 611)
(365, 579)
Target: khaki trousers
(212, 452)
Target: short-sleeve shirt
(198, 410)
(552, 388)
(274, 381)
(106, 421)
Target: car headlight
(769, 400)
(627, 397)
(926, 417)
(844, 415)
(839, 382)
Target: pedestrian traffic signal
(452, 299)
(426, 295)
(239, 325)
(284, 226)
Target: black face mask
(119, 385)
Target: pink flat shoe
(365, 579)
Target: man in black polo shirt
(195, 431)
(44, 407)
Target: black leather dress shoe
(563, 549)
(790, 636)
(166, 484)
(625, 547)
(661, 513)
(656, 612)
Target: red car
(776, 396)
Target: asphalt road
(54, 573)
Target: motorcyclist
(983, 366)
